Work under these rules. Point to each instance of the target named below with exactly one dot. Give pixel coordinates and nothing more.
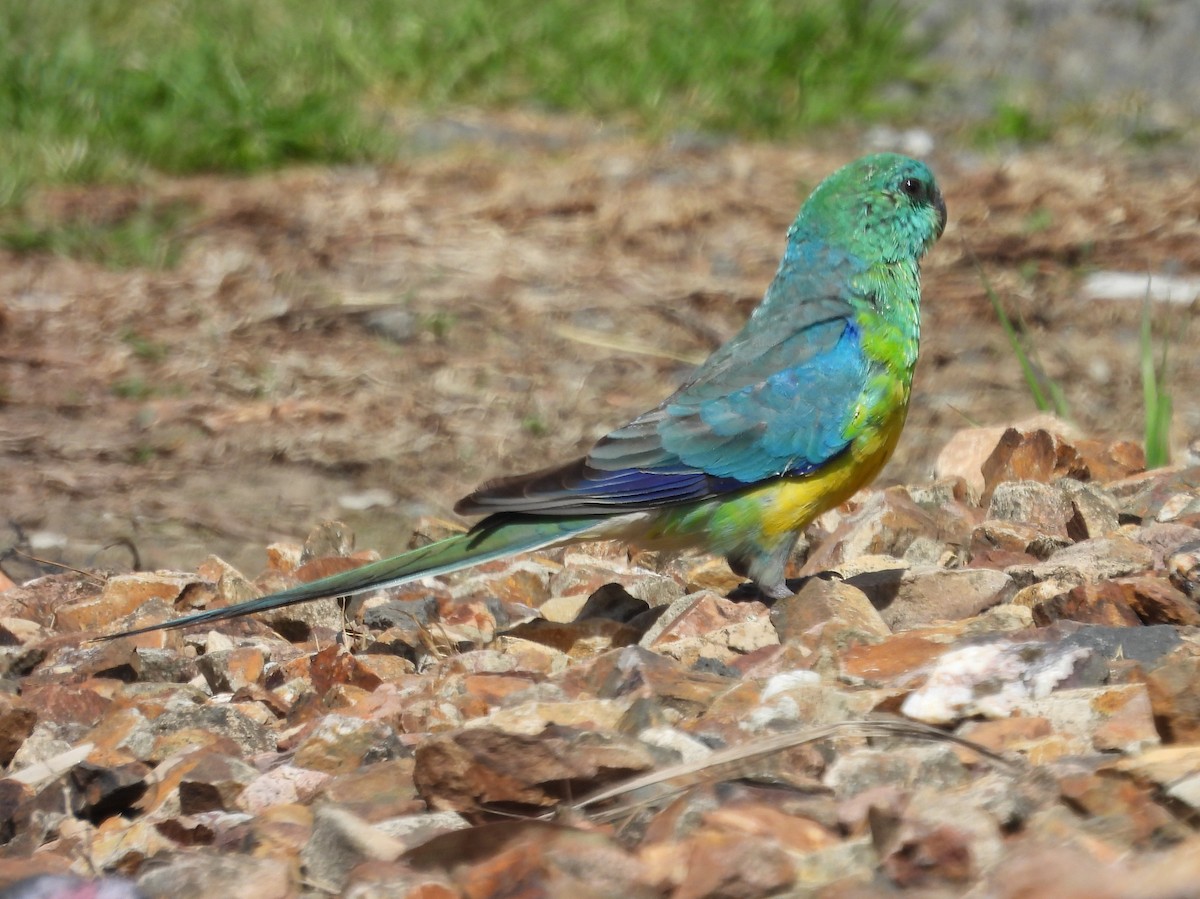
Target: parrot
(790, 417)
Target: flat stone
(928, 595)
(532, 858)
(339, 842)
(69, 886)
(891, 658)
(285, 785)
(214, 783)
(1162, 766)
(723, 649)
(163, 665)
(939, 840)
(380, 880)
(1112, 717)
(467, 769)
(380, 668)
(1039, 593)
(17, 631)
(563, 609)
(1107, 462)
(1186, 790)
(991, 680)
(635, 672)
(997, 543)
(17, 720)
(697, 614)
(1122, 809)
(1144, 644)
(279, 832)
(233, 669)
(577, 639)
(1121, 602)
(46, 742)
(797, 833)
(709, 627)
(1174, 697)
(523, 582)
(709, 573)
(1034, 503)
(1183, 568)
(218, 721)
(886, 523)
(790, 699)
(124, 733)
(376, 791)
(1031, 454)
(1145, 497)
(415, 830)
(536, 715)
(964, 454)
(338, 744)
(1104, 604)
(234, 875)
(532, 656)
(124, 594)
(1007, 734)
(232, 585)
(1127, 720)
(1166, 539)
(1096, 511)
(734, 865)
(1087, 562)
(844, 865)
(120, 845)
(334, 666)
(905, 767)
(822, 602)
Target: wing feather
(775, 400)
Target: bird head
(884, 206)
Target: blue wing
(775, 399)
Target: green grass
(144, 348)
(108, 90)
(1156, 398)
(757, 67)
(146, 235)
(1047, 393)
(535, 426)
(1012, 124)
(95, 90)
(1049, 396)
(133, 388)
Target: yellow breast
(792, 503)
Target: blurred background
(267, 263)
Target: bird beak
(939, 204)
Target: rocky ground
(984, 686)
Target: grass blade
(1156, 399)
(1047, 394)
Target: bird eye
(914, 187)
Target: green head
(885, 207)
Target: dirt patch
(422, 327)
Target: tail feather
(493, 538)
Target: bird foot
(777, 591)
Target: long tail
(493, 538)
